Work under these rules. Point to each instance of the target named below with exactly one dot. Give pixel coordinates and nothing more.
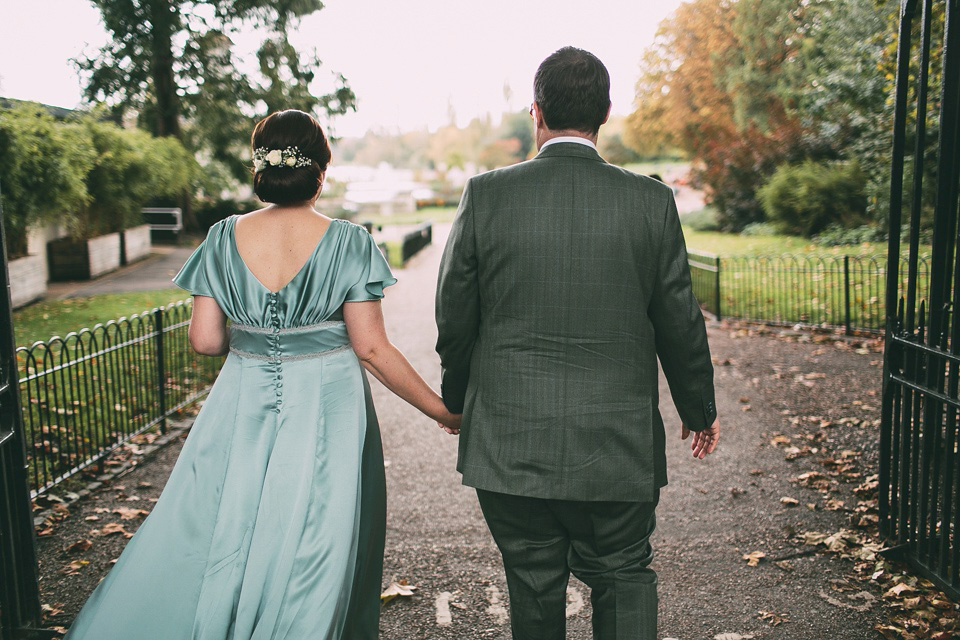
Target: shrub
(90, 175)
(760, 229)
(701, 220)
(834, 235)
(130, 169)
(807, 198)
(43, 169)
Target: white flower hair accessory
(289, 157)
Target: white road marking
(496, 608)
(574, 601)
(444, 619)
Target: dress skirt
(271, 525)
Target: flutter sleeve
(193, 274)
(375, 274)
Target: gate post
(19, 590)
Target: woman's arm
(378, 356)
(208, 327)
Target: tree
(172, 63)
(839, 83)
(711, 86)
(519, 126)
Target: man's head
(572, 90)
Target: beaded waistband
(281, 344)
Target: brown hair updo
(287, 185)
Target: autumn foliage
(744, 87)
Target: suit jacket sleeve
(680, 333)
(458, 305)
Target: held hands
(450, 423)
(704, 442)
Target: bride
(272, 523)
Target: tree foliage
(746, 86)
(172, 64)
(43, 165)
(87, 174)
(130, 168)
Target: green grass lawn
(85, 395)
(42, 320)
(732, 244)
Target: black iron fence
(86, 394)
(416, 240)
(811, 290)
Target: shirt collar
(576, 139)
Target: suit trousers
(604, 544)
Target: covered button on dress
(271, 525)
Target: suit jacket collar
(569, 149)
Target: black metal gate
(19, 593)
(919, 479)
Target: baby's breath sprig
(289, 157)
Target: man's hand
(704, 442)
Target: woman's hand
(450, 423)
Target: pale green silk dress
(272, 523)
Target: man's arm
(681, 336)
(458, 305)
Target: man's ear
(607, 117)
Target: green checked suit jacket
(563, 280)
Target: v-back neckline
(303, 268)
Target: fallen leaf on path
(753, 559)
(127, 513)
(898, 590)
(80, 545)
(397, 589)
(112, 528)
(775, 619)
(789, 502)
(732, 636)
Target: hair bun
(285, 185)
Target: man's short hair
(572, 88)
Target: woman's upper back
(277, 245)
(344, 264)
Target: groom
(562, 282)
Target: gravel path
(712, 513)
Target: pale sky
(408, 61)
